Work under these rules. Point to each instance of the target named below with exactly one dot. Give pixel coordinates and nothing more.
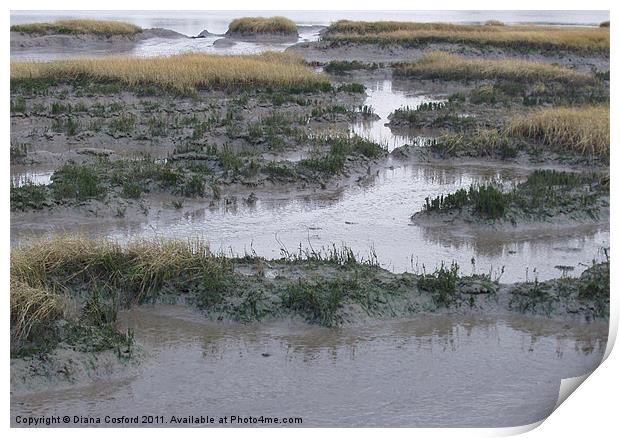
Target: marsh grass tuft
(341, 67)
(583, 130)
(73, 181)
(333, 161)
(479, 143)
(33, 311)
(486, 200)
(321, 300)
(442, 283)
(262, 25)
(27, 196)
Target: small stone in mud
(251, 200)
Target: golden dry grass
(75, 27)
(373, 27)
(31, 306)
(579, 39)
(262, 25)
(447, 66)
(51, 264)
(582, 130)
(186, 72)
(38, 262)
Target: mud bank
(329, 287)
(325, 51)
(221, 141)
(24, 42)
(46, 129)
(67, 368)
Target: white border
(591, 411)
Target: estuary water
(430, 371)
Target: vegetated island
(84, 34)
(263, 29)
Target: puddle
(384, 98)
(22, 175)
(373, 217)
(432, 371)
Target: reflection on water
(22, 175)
(22, 179)
(384, 98)
(426, 371)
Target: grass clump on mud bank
(486, 200)
(479, 143)
(588, 295)
(186, 72)
(73, 183)
(75, 283)
(580, 132)
(545, 194)
(106, 28)
(340, 149)
(518, 38)
(445, 66)
(262, 25)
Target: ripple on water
(377, 217)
